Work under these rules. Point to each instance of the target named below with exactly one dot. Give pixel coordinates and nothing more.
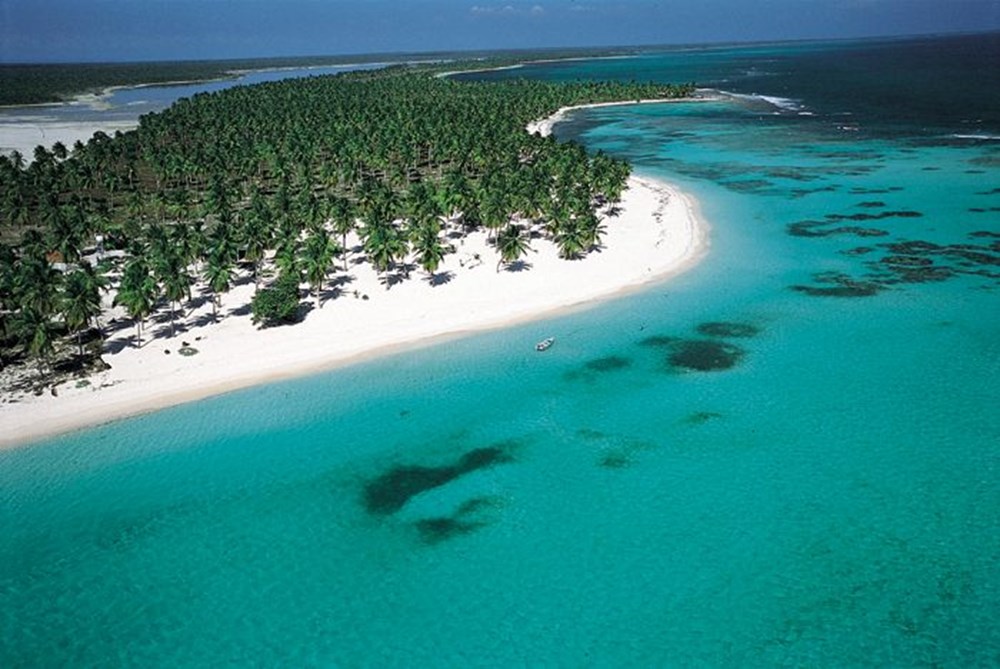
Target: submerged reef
(608, 364)
(466, 519)
(701, 417)
(911, 262)
(835, 284)
(389, 492)
(814, 228)
(818, 229)
(704, 355)
(604, 365)
(726, 329)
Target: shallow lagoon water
(819, 486)
(127, 104)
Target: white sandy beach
(23, 135)
(655, 235)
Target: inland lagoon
(787, 456)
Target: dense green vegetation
(275, 179)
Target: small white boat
(545, 344)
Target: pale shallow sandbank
(656, 234)
(24, 135)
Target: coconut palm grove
(269, 181)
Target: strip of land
(654, 233)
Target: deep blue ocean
(788, 456)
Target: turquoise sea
(788, 456)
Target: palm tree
(341, 214)
(171, 270)
(219, 277)
(256, 233)
(385, 245)
(59, 151)
(591, 228)
(39, 333)
(572, 239)
(36, 285)
(427, 244)
(512, 243)
(17, 160)
(137, 293)
(81, 303)
(493, 212)
(317, 254)
(286, 256)
(455, 192)
(67, 231)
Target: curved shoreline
(657, 234)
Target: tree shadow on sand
(396, 276)
(518, 266)
(440, 278)
(117, 325)
(113, 346)
(242, 310)
(206, 319)
(328, 294)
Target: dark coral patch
(726, 329)
(898, 213)
(854, 289)
(480, 458)
(701, 417)
(435, 530)
(871, 204)
(985, 161)
(475, 504)
(924, 274)
(913, 269)
(610, 363)
(748, 185)
(819, 229)
(858, 251)
(705, 355)
(389, 492)
(659, 341)
(802, 192)
(614, 460)
(907, 261)
(860, 190)
(965, 254)
(838, 285)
